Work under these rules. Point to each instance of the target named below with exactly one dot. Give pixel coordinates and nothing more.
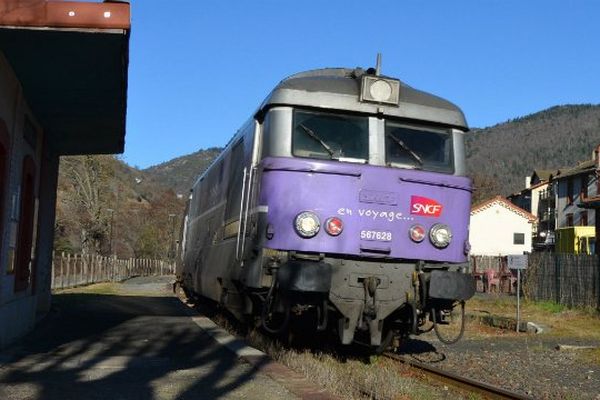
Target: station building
(63, 91)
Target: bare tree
(89, 198)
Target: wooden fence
(567, 279)
(74, 270)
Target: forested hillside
(181, 172)
(499, 157)
(106, 207)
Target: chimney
(596, 156)
(527, 182)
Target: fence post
(68, 270)
(80, 262)
(84, 271)
(92, 262)
(62, 271)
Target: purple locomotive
(341, 205)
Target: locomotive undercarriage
(364, 301)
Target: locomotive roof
(339, 88)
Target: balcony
(548, 215)
(547, 195)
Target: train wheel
(387, 339)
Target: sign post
(518, 262)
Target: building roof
(71, 59)
(504, 203)
(524, 192)
(543, 174)
(582, 168)
(339, 88)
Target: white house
(498, 227)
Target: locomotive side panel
(213, 220)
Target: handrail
(237, 245)
(246, 209)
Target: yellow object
(575, 239)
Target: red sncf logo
(425, 206)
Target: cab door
(249, 197)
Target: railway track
(486, 390)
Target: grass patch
(117, 289)
(358, 378)
(550, 306)
(107, 288)
(355, 379)
(591, 356)
(562, 321)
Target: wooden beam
(64, 14)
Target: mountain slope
(558, 137)
(180, 173)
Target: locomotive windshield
(429, 150)
(330, 136)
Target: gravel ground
(528, 364)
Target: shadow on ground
(121, 347)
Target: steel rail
(462, 382)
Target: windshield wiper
(404, 147)
(314, 136)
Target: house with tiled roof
(499, 227)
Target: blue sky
(198, 69)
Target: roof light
(376, 89)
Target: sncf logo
(425, 206)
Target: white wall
(491, 231)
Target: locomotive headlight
(307, 224)
(440, 235)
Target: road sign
(517, 261)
